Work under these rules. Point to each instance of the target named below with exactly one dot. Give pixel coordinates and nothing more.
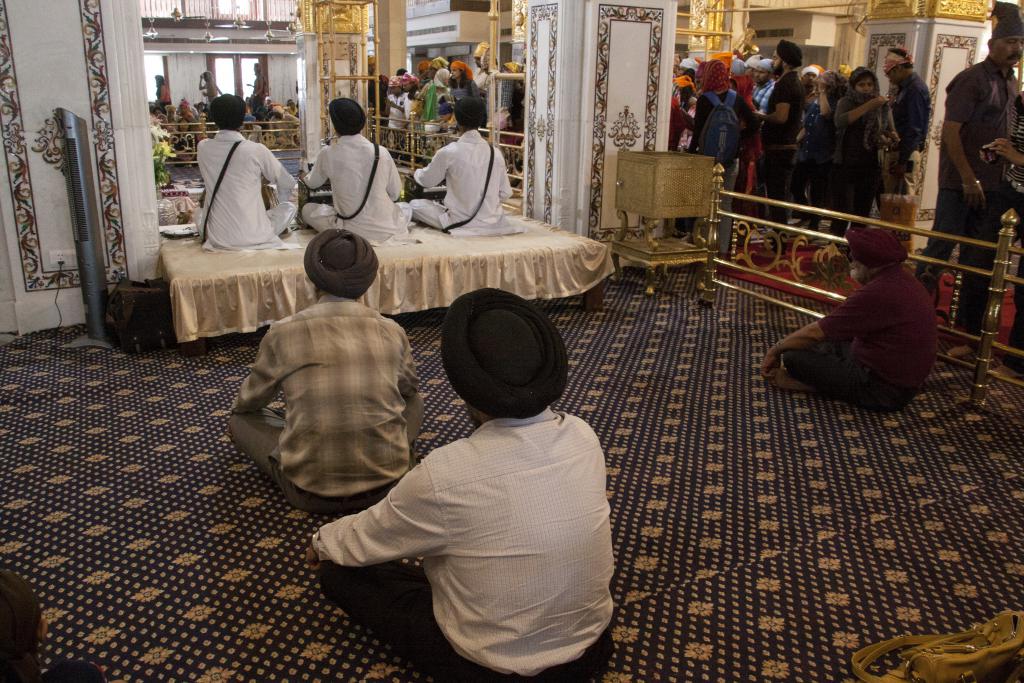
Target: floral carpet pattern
(759, 536)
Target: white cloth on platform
(347, 163)
(238, 220)
(462, 167)
(512, 524)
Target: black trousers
(854, 189)
(831, 369)
(778, 174)
(810, 187)
(395, 601)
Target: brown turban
(341, 263)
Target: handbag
(140, 314)
(992, 652)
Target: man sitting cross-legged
(512, 521)
(233, 217)
(350, 387)
(874, 350)
(472, 203)
(363, 201)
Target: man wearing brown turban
(349, 383)
(876, 349)
(512, 521)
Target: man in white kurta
(347, 163)
(237, 219)
(512, 522)
(462, 167)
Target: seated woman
(364, 198)
(476, 179)
(233, 216)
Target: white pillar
(391, 30)
(598, 82)
(942, 48)
(310, 100)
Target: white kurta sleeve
(394, 181)
(318, 176)
(274, 171)
(435, 172)
(504, 187)
(408, 523)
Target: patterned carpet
(759, 536)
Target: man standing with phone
(911, 109)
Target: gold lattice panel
(967, 10)
(663, 184)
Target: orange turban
(725, 57)
(684, 82)
(465, 69)
(423, 65)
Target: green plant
(162, 151)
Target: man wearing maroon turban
(874, 350)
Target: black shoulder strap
(490, 167)
(369, 185)
(216, 186)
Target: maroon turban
(875, 247)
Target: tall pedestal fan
(85, 222)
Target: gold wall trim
(965, 10)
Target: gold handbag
(990, 653)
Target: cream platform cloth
(215, 293)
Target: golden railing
(279, 136)
(414, 145)
(761, 247)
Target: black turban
(228, 112)
(790, 53)
(1007, 21)
(471, 112)
(502, 355)
(347, 116)
(19, 626)
(341, 263)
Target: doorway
(235, 73)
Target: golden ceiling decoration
(966, 10)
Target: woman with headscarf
(23, 628)
(750, 150)
(433, 94)
(680, 119)
(461, 82)
(716, 92)
(208, 89)
(864, 125)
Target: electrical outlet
(65, 255)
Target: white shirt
(397, 110)
(238, 219)
(347, 163)
(462, 166)
(512, 523)
(483, 81)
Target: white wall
(283, 75)
(183, 70)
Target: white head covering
(812, 69)
(737, 68)
(688, 63)
(752, 61)
(442, 77)
(765, 65)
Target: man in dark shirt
(874, 350)
(911, 109)
(978, 102)
(781, 125)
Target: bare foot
(782, 380)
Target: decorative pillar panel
(627, 86)
(598, 81)
(102, 81)
(941, 48)
(309, 95)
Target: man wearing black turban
(781, 126)
(512, 521)
(364, 191)
(350, 385)
(475, 177)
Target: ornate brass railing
(762, 247)
(279, 136)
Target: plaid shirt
(347, 373)
(761, 95)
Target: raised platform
(215, 293)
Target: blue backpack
(721, 136)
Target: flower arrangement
(161, 152)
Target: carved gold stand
(655, 255)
